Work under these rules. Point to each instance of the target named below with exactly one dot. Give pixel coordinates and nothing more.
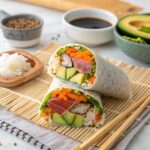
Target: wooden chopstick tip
(78, 148)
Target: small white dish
(89, 36)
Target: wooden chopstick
(112, 139)
(109, 126)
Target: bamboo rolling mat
(119, 7)
(24, 100)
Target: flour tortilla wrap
(109, 79)
(58, 84)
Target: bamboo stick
(108, 127)
(120, 10)
(112, 139)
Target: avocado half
(131, 26)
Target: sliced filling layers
(70, 107)
(75, 64)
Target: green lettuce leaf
(95, 103)
(60, 51)
(137, 40)
(44, 103)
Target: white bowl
(89, 36)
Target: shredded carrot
(47, 119)
(65, 94)
(97, 118)
(63, 97)
(73, 54)
(85, 55)
(83, 98)
(87, 52)
(55, 93)
(88, 58)
(46, 112)
(70, 50)
(76, 97)
(92, 79)
(42, 114)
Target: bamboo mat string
(22, 95)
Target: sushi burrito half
(70, 105)
(79, 65)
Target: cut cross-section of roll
(70, 105)
(79, 65)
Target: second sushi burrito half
(77, 64)
(69, 105)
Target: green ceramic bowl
(133, 49)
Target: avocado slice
(69, 117)
(132, 26)
(57, 119)
(71, 72)
(78, 122)
(78, 78)
(137, 40)
(61, 73)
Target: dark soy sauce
(90, 23)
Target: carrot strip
(42, 114)
(46, 112)
(62, 96)
(97, 118)
(65, 94)
(70, 50)
(92, 79)
(85, 55)
(87, 52)
(76, 97)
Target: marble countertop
(52, 27)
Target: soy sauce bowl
(89, 36)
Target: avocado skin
(122, 29)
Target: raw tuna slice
(60, 106)
(82, 66)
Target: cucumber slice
(69, 117)
(61, 73)
(78, 122)
(71, 72)
(57, 119)
(78, 78)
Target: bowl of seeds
(23, 30)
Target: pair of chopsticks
(139, 106)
